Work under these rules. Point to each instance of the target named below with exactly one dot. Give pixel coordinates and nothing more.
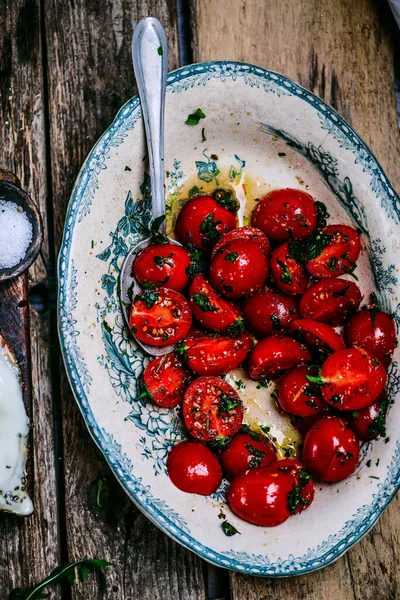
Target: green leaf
(160, 50)
(194, 118)
(341, 293)
(286, 276)
(237, 327)
(226, 404)
(296, 250)
(317, 379)
(127, 168)
(225, 199)
(203, 302)
(231, 256)
(160, 261)
(209, 228)
(149, 297)
(229, 529)
(316, 243)
(322, 214)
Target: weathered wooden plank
(90, 77)
(29, 548)
(343, 52)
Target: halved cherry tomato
(212, 409)
(163, 265)
(285, 214)
(331, 450)
(304, 491)
(287, 269)
(330, 301)
(211, 310)
(370, 422)
(202, 221)
(332, 251)
(239, 268)
(274, 355)
(160, 316)
(352, 379)
(373, 330)
(165, 379)
(193, 468)
(249, 234)
(261, 496)
(297, 395)
(246, 451)
(317, 336)
(215, 354)
(269, 311)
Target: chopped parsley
(286, 276)
(149, 297)
(194, 118)
(163, 260)
(226, 404)
(316, 244)
(276, 323)
(296, 250)
(342, 292)
(317, 379)
(336, 399)
(246, 429)
(225, 199)
(198, 263)
(322, 214)
(237, 327)
(332, 264)
(295, 497)
(209, 228)
(229, 529)
(203, 137)
(160, 50)
(344, 455)
(193, 192)
(240, 384)
(378, 425)
(281, 153)
(127, 168)
(257, 456)
(231, 256)
(203, 302)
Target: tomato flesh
(274, 355)
(373, 330)
(247, 234)
(211, 310)
(285, 214)
(297, 395)
(333, 251)
(194, 469)
(330, 301)
(331, 450)
(287, 270)
(165, 379)
(352, 379)
(246, 451)
(318, 335)
(212, 409)
(163, 265)
(160, 317)
(269, 311)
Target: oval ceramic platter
(261, 132)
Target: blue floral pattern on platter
(122, 360)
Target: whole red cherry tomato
(246, 451)
(304, 491)
(274, 355)
(285, 214)
(165, 379)
(212, 409)
(202, 221)
(211, 310)
(316, 335)
(193, 468)
(330, 301)
(217, 354)
(351, 379)
(332, 251)
(248, 234)
(163, 265)
(261, 496)
(287, 268)
(370, 422)
(305, 423)
(160, 316)
(373, 330)
(269, 311)
(239, 269)
(331, 450)
(297, 395)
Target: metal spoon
(150, 62)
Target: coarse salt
(15, 234)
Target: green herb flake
(316, 244)
(322, 214)
(92, 244)
(231, 256)
(373, 477)
(341, 292)
(332, 264)
(286, 276)
(295, 497)
(281, 153)
(149, 297)
(229, 529)
(194, 118)
(226, 404)
(127, 168)
(198, 262)
(276, 322)
(203, 302)
(237, 327)
(208, 228)
(160, 261)
(368, 463)
(378, 425)
(317, 379)
(240, 385)
(160, 50)
(225, 199)
(203, 136)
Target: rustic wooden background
(65, 70)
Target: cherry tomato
(202, 221)
(261, 496)
(246, 451)
(211, 310)
(285, 214)
(212, 409)
(287, 269)
(304, 491)
(297, 395)
(331, 450)
(160, 317)
(193, 468)
(352, 379)
(239, 269)
(373, 330)
(316, 335)
(163, 265)
(165, 379)
(370, 422)
(332, 251)
(274, 355)
(269, 311)
(305, 423)
(249, 234)
(330, 301)
(217, 354)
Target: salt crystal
(15, 234)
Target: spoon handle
(150, 62)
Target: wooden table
(65, 70)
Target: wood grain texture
(89, 78)
(343, 52)
(29, 548)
